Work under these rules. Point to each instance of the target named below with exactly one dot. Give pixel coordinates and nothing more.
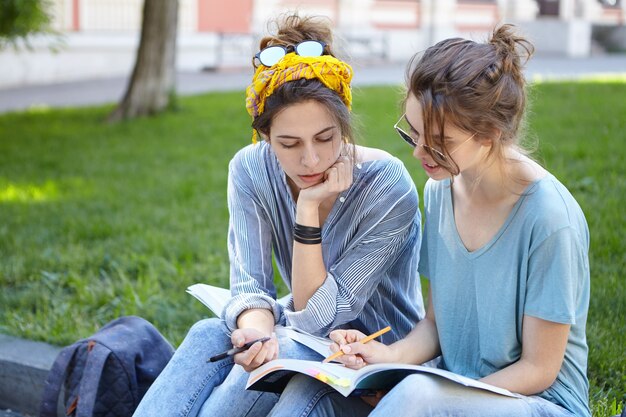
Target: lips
(311, 179)
(430, 169)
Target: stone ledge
(24, 365)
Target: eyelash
(323, 140)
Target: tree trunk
(152, 83)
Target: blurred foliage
(19, 19)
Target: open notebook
(274, 376)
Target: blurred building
(101, 36)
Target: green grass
(98, 221)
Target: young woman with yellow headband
(341, 222)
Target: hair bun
(291, 28)
(511, 49)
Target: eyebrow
(298, 137)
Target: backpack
(107, 374)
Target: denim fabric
(305, 396)
(416, 396)
(189, 386)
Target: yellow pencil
(364, 340)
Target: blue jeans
(189, 386)
(306, 396)
(418, 395)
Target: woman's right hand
(356, 354)
(337, 179)
(259, 353)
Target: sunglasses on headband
(272, 54)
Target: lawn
(98, 221)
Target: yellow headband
(332, 72)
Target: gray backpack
(107, 374)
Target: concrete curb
(24, 365)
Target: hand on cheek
(337, 178)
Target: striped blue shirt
(370, 246)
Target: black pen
(236, 350)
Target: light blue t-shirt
(537, 265)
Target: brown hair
(290, 30)
(478, 87)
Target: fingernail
(346, 349)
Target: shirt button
(342, 199)
(358, 166)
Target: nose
(310, 158)
(419, 152)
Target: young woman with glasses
(505, 248)
(340, 221)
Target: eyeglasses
(272, 54)
(432, 151)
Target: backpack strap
(88, 389)
(54, 381)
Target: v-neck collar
(484, 248)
